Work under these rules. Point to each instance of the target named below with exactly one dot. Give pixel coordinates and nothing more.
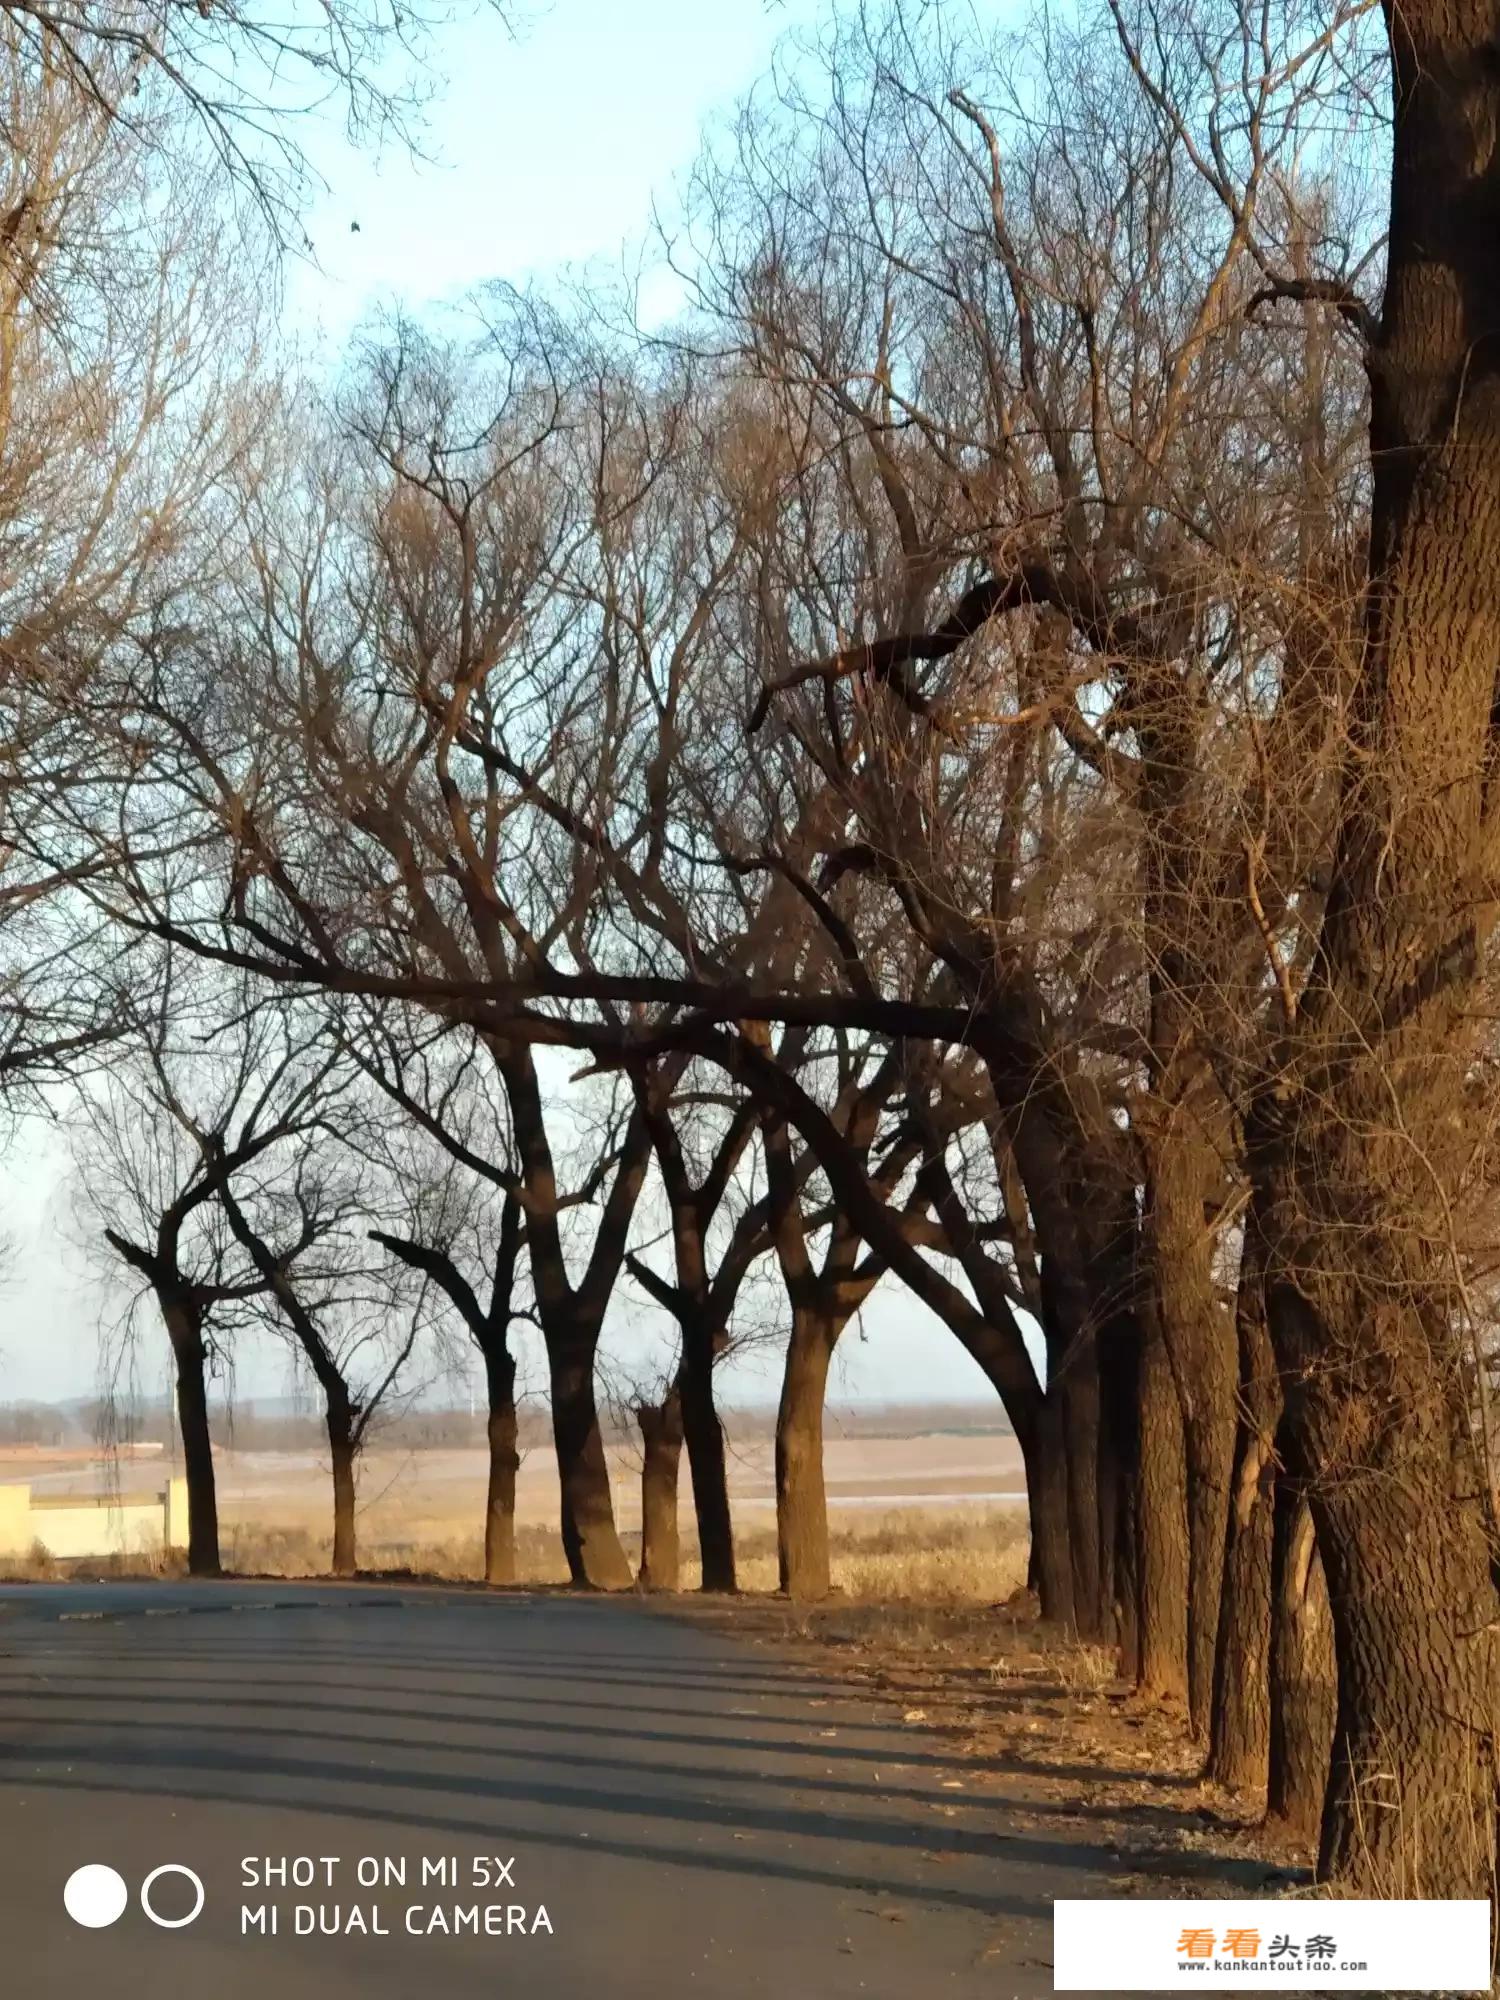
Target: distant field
(929, 1514)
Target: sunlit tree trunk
(801, 1497)
(1161, 1526)
(591, 1542)
(661, 1446)
(1240, 1725)
(1360, 1139)
(1304, 1687)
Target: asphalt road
(693, 1814)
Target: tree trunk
(1128, 1582)
(190, 1354)
(801, 1497)
(1198, 1339)
(570, 1319)
(1120, 1378)
(705, 1447)
(1044, 1450)
(1107, 1478)
(1362, 1133)
(1084, 1275)
(1240, 1723)
(1304, 1691)
(1240, 1739)
(661, 1443)
(340, 1419)
(590, 1539)
(1412, 1787)
(505, 1462)
(1161, 1526)
(1077, 1385)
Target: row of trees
(979, 740)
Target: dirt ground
(1044, 1729)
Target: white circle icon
(95, 1896)
(169, 1868)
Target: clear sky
(548, 141)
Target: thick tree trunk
(1412, 1787)
(801, 1498)
(341, 1450)
(1044, 1450)
(704, 1433)
(1362, 1134)
(1198, 1338)
(1084, 1275)
(1108, 1481)
(1240, 1737)
(661, 1445)
(590, 1539)
(1120, 1377)
(1077, 1385)
(1128, 1582)
(190, 1355)
(571, 1317)
(1240, 1728)
(504, 1463)
(1304, 1691)
(1161, 1526)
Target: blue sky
(548, 143)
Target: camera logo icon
(95, 1896)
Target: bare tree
(232, 83)
(456, 1186)
(298, 1223)
(1088, 557)
(194, 1100)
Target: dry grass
(36, 1566)
(255, 1550)
(920, 1560)
(909, 1555)
(938, 1556)
(39, 1565)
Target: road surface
(692, 1814)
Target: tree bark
(591, 1542)
(1161, 1526)
(1198, 1340)
(801, 1496)
(341, 1448)
(661, 1443)
(1044, 1452)
(504, 1463)
(185, 1330)
(1077, 1388)
(704, 1433)
(1240, 1735)
(1240, 1723)
(1180, 1125)
(1127, 1582)
(1304, 1692)
(1361, 1134)
(1120, 1378)
(571, 1317)
(1084, 1271)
